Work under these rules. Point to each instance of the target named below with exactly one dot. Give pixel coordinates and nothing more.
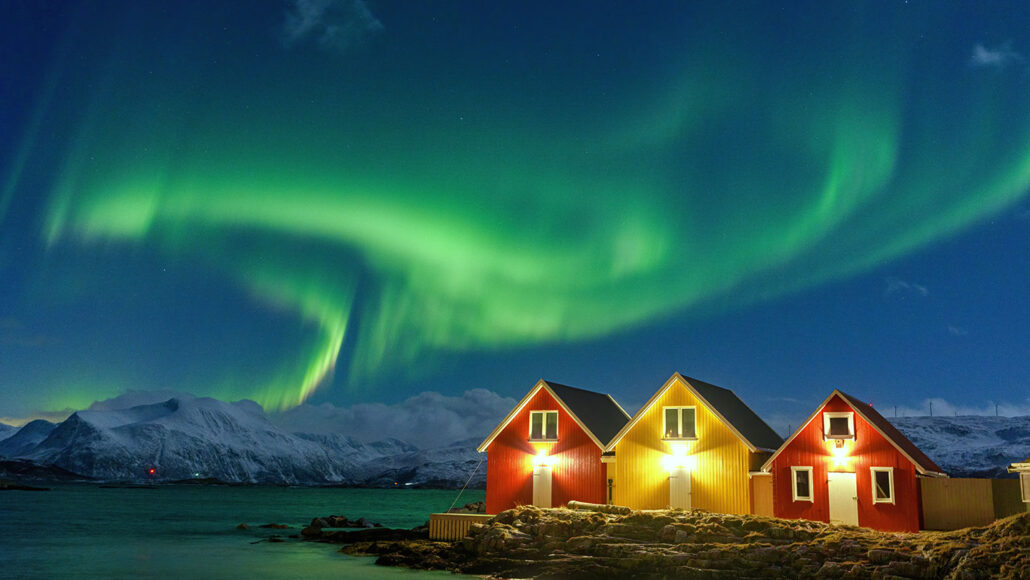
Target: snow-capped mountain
(182, 438)
(186, 437)
(6, 431)
(972, 445)
(23, 440)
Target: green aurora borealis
(410, 198)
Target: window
(678, 422)
(883, 484)
(1024, 485)
(839, 425)
(802, 483)
(543, 425)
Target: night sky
(347, 202)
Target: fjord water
(189, 531)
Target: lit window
(801, 478)
(543, 425)
(883, 484)
(839, 425)
(678, 422)
(1024, 485)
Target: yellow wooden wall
(719, 481)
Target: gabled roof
(725, 404)
(596, 413)
(923, 464)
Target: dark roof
(892, 433)
(598, 412)
(737, 414)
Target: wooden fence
(953, 503)
(453, 526)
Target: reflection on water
(190, 531)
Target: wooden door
(679, 488)
(542, 486)
(843, 496)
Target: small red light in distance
(151, 471)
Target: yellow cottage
(692, 445)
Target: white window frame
(543, 425)
(827, 415)
(794, 469)
(679, 416)
(1024, 485)
(890, 475)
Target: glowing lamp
(839, 453)
(676, 461)
(151, 471)
(542, 458)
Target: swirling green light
(496, 236)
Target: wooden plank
(447, 526)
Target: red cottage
(849, 465)
(548, 450)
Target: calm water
(190, 531)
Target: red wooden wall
(869, 449)
(577, 474)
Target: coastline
(530, 542)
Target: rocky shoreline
(529, 542)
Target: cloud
(994, 57)
(426, 420)
(335, 25)
(899, 286)
(957, 330)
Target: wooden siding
(950, 504)
(868, 449)
(719, 480)
(1008, 500)
(762, 495)
(453, 526)
(577, 474)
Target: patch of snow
(970, 445)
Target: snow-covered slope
(25, 439)
(445, 467)
(970, 446)
(185, 437)
(182, 438)
(6, 431)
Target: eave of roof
(658, 395)
(543, 385)
(851, 402)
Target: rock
(880, 556)
(562, 543)
(243, 527)
(275, 526)
(275, 539)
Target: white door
(679, 488)
(843, 495)
(542, 486)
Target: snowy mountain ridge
(185, 437)
(188, 437)
(969, 445)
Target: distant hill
(970, 445)
(6, 431)
(188, 437)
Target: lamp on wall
(542, 458)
